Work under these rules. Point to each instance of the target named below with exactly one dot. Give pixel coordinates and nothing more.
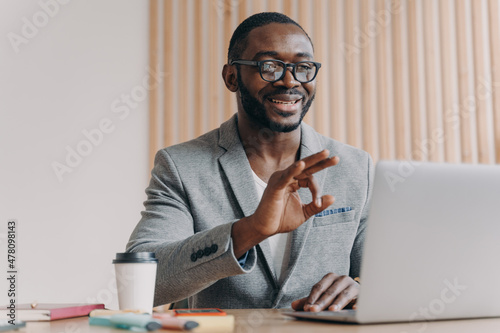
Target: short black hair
(238, 40)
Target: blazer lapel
(235, 164)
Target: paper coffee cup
(135, 280)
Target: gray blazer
(199, 188)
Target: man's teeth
(283, 102)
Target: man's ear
(229, 77)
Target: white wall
(64, 79)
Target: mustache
(292, 91)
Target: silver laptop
(432, 248)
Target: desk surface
(271, 321)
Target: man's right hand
(280, 209)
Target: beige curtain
(401, 79)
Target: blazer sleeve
(357, 249)
(188, 262)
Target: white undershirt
(280, 248)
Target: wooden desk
(271, 321)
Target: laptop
(432, 247)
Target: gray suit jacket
(199, 188)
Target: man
(237, 217)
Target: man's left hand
(333, 293)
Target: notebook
(48, 311)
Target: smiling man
(237, 217)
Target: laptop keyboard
(346, 312)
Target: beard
(256, 111)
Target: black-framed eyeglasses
(275, 70)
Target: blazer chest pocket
(334, 218)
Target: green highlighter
(128, 321)
(7, 326)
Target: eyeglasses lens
(272, 71)
(305, 71)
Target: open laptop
(432, 247)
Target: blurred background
(405, 79)
(90, 90)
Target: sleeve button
(199, 254)
(193, 257)
(208, 251)
(214, 248)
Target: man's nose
(288, 80)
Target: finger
(298, 305)
(296, 169)
(352, 304)
(338, 295)
(286, 176)
(312, 209)
(315, 189)
(326, 163)
(329, 294)
(318, 289)
(344, 299)
(315, 158)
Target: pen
(127, 321)
(172, 323)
